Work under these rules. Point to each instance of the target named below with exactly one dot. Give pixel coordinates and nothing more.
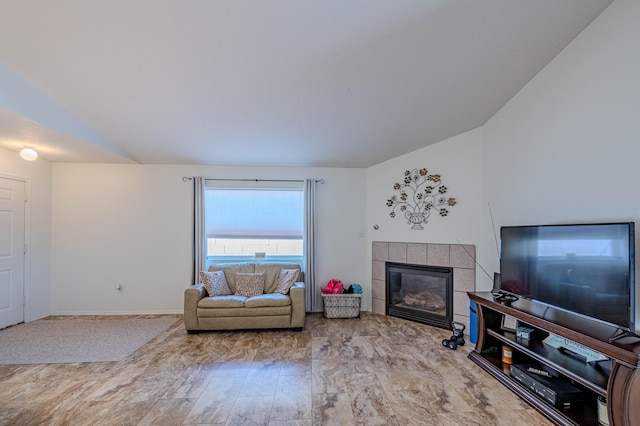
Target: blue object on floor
(473, 322)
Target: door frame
(26, 307)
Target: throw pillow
(215, 283)
(287, 280)
(249, 284)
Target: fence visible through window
(249, 246)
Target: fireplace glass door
(420, 293)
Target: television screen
(588, 269)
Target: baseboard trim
(154, 312)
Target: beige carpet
(77, 340)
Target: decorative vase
(416, 219)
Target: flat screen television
(587, 269)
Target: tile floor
(375, 370)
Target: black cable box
(553, 390)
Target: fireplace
(420, 293)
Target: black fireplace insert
(420, 293)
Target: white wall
(37, 174)
(131, 224)
(458, 161)
(565, 149)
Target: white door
(12, 248)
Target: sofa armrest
(298, 309)
(192, 296)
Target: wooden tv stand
(617, 380)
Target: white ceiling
(336, 83)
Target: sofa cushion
(286, 280)
(273, 299)
(222, 302)
(215, 283)
(272, 273)
(249, 284)
(230, 270)
(264, 311)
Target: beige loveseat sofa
(232, 312)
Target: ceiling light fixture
(28, 154)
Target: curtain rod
(186, 178)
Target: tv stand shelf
(588, 376)
(617, 379)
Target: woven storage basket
(341, 305)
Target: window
(245, 218)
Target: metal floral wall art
(420, 194)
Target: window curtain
(313, 298)
(198, 229)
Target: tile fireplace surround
(451, 255)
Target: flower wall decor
(420, 194)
